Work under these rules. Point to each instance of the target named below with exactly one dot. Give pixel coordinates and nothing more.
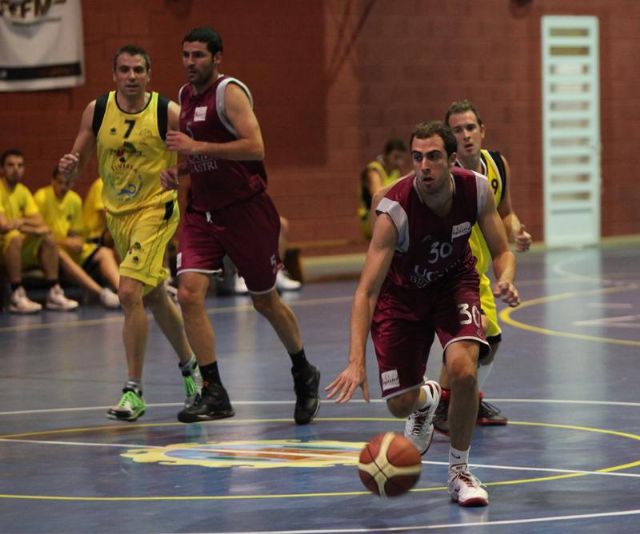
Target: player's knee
(463, 378)
(129, 296)
(266, 304)
(402, 406)
(189, 297)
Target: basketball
(389, 465)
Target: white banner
(41, 44)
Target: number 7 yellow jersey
(132, 153)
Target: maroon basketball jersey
(430, 247)
(216, 183)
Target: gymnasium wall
(333, 79)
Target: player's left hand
(523, 239)
(507, 292)
(169, 178)
(180, 142)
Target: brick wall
(333, 79)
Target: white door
(571, 130)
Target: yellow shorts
(141, 238)
(488, 303)
(30, 247)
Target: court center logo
(260, 454)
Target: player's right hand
(523, 239)
(169, 178)
(506, 292)
(345, 384)
(68, 164)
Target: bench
(339, 252)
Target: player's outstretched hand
(523, 239)
(68, 164)
(345, 384)
(169, 178)
(507, 293)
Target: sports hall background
(333, 79)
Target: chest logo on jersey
(461, 229)
(200, 114)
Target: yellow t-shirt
(3, 199)
(64, 217)
(131, 155)
(479, 246)
(93, 211)
(18, 203)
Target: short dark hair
(205, 35)
(10, 152)
(132, 50)
(395, 144)
(425, 130)
(462, 106)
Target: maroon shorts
(246, 231)
(405, 322)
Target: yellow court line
(580, 428)
(505, 316)
(615, 433)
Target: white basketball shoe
(419, 426)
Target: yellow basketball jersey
(131, 155)
(479, 246)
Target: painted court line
(325, 403)
(413, 528)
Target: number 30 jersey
(431, 247)
(132, 153)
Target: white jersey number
(468, 316)
(439, 250)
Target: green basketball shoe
(130, 407)
(192, 381)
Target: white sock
(458, 458)
(483, 373)
(423, 405)
(135, 385)
(189, 366)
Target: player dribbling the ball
(419, 280)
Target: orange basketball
(389, 465)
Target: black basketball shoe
(212, 403)
(305, 384)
